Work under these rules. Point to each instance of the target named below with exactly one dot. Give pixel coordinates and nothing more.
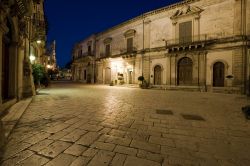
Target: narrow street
(75, 124)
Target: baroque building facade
(22, 41)
(194, 44)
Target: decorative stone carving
(89, 43)
(23, 28)
(187, 10)
(130, 33)
(147, 21)
(107, 40)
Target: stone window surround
(106, 42)
(193, 16)
(226, 68)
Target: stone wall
(214, 21)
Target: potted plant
(143, 83)
(111, 83)
(40, 76)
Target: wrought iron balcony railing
(203, 39)
(104, 54)
(130, 50)
(86, 54)
(186, 40)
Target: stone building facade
(22, 41)
(194, 44)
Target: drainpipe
(244, 46)
(142, 43)
(205, 72)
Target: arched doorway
(218, 74)
(185, 71)
(157, 75)
(107, 75)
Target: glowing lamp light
(32, 58)
(38, 41)
(49, 66)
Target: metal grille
(164, 112)
(192, 117)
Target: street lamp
(49, 66)
(32, 58)
(38, 41)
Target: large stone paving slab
(75, 124)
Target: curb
(13, 116)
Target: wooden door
(107, 76)
(218, 74)
(157, 75)
(185, 71)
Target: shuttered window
(89, 50)
(185, 32)
(107, 50)
(129, 44)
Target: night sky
(72, 21)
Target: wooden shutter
(107, 50)
(185, 32)
(129, 44)
(89, 50)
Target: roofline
(144, 15)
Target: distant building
(194, 44)
(65, 74)
(50, 61)
(22, 43)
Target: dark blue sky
(72, 21)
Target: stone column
(196, 29)
(28, 83)
(93, 73)
(168, 70)
(20, 72)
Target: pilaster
(3, 30)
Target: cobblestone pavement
(74, 124)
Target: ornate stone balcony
(185, 44)
(200, 42)
(40, 26)
(84, 55)
(132, 50)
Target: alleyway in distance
(75, 124)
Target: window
(79, 53)
(185, 32)
(129, 45)
(89, 50)
(107, 50)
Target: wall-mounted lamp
(49, 66)
(38, 41)
(32, 58)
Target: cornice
(145, 15)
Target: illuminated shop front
(118, 71)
